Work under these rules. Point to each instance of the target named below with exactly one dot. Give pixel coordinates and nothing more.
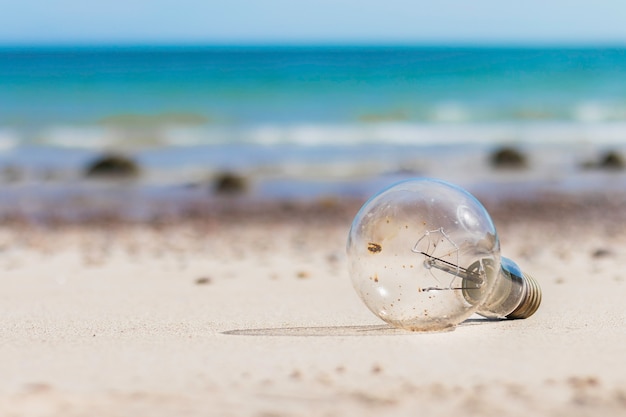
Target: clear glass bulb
(424, 255)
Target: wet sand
(239, 309)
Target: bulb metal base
(530, 300)
(516, 295)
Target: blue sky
(313, 21)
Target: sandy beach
(250, 312)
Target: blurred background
(155, 102)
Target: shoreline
(128, 203)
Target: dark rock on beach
(609, 161)
(112, 166)
(612, 161)
(508, 158)
(230, 183)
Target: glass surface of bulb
(424, 255)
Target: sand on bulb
(424, 255)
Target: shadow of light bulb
(424, 255)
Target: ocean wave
(329, 135)
(594, 112)
(8, 139)
(80, 137)
(426, 134)
(450, 112)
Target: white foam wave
(8, 140)
(83, 137)
(595, 112)
(311, 135)
(413, 134)
(450, 112)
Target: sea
(309, 121)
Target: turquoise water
(314, 112)
(263, 85)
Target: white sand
(111, 322)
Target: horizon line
(311, 45)
(467, 44)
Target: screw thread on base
(531, 301)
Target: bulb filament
(474, 274)
(450, 268)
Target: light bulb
(424, 255)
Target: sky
(557, 22)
